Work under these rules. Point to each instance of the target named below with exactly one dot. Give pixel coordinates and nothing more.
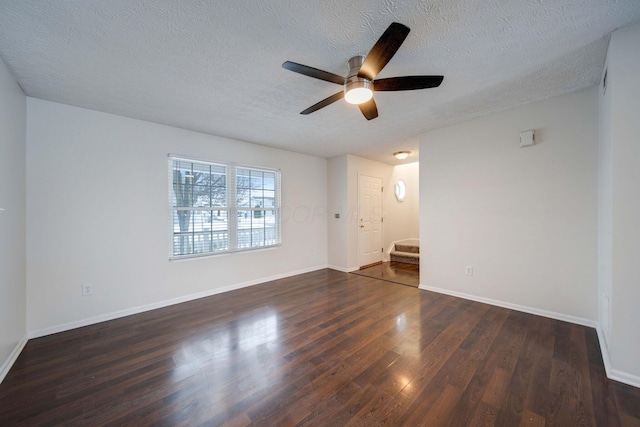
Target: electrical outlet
(87, 290)
(468, 270)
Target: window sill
(219, 254)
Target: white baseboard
(612, 373)
(6, 366)
(531, 310)
(624, 377)
(160, 304)
(604, 349)
(343, 269)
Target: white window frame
(231, 208)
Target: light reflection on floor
(214, 355)
(245, 354)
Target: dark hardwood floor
(324, 349)
(396, 272)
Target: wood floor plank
(440, 412)
(496, 389)
(484, 416)
(531, 419)
(513, 406)
(322, 348)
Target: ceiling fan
(359, 85)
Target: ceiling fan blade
(313, 72)
(369, 109)
(327, 101)
(407, 83)
(384, 49)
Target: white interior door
(369, 220)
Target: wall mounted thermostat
(527, 138)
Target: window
(219, 207)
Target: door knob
(361, 225)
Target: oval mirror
(400, 190)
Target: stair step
(406, 254)
(406, 257)
(407, 247)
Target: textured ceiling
(215, 66)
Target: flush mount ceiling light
(401, 155)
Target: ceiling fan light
(358, 91)
(401, 155)
(358, 95)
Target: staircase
(407, 252)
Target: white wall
(524, 218)
(605, 222)
(13, 119)
(337, 204)
(619, 203)
(97, 195)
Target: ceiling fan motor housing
(352, 81)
